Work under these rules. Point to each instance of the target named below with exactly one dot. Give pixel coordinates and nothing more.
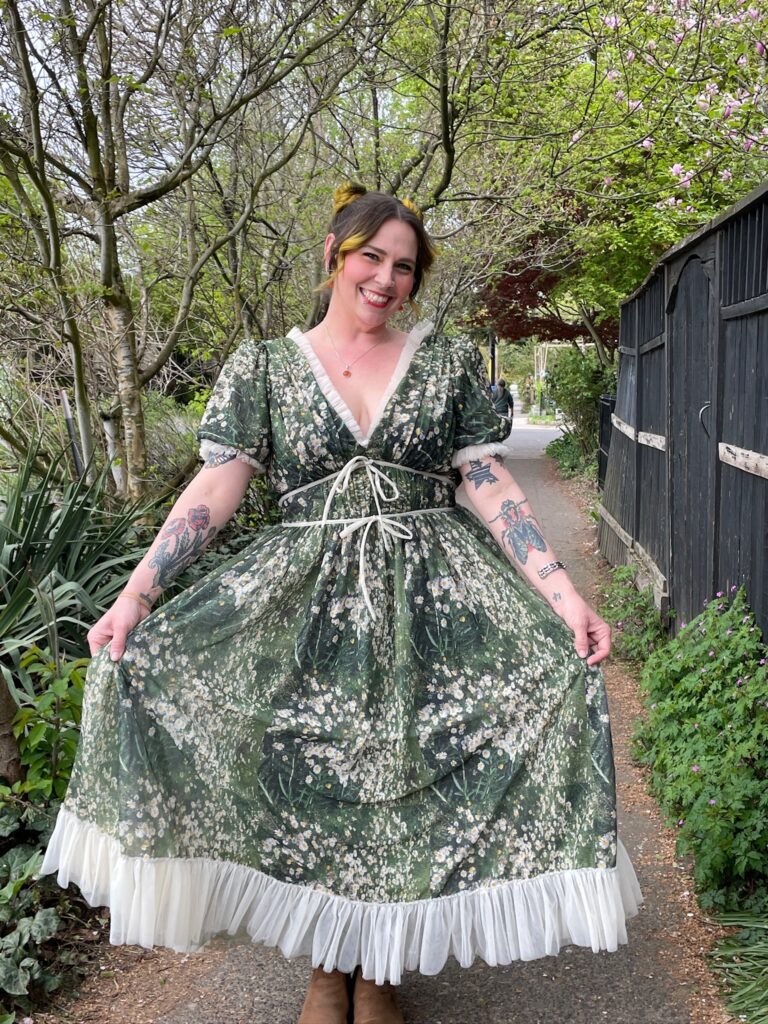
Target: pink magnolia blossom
(676, 170)
(726, 174)
(612, 75)
(576, 136)
(620, 95)
(742, 60)
(630, 56)
(635, 105)
(760, 47)
(678, 38)
(747, 144)
(607, 180)
(611, 21)
(685, 181)
(647, 143)
(753, 13)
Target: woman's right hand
(115, 625)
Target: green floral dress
(365, 738)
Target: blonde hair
(358, 215)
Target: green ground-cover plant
(637, 627)
(34, 960)
(705, 738)
(569, 456)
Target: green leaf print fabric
(365, 738)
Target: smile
(375, 298)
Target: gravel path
(659, 978)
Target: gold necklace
(347, 371)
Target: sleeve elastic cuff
(477, 451)
(208, 448)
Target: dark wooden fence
(686, 488)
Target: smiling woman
(366, 739)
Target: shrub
(706, 740)
(576, 382)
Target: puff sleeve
(478, 429)
(236, 419)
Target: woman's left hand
(589, 630)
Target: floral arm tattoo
(181, 541)
(521, 532)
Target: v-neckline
(331, 394)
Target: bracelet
(549, 568)
(137, 597)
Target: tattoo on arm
(499, 459)
(218, 459)
(480, 473)
(557, 596)
(521, 532)
(182, 540)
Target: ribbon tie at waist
(384, 489)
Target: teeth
(377, 300)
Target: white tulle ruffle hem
(182, 903)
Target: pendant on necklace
(346, 373)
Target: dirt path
(661, 977)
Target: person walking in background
(503, 402)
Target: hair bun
(346, 194)
(410, 205)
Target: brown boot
(327, 999)
(374, 1004)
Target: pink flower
(651, 44)
(681, 821)
(711, 654)
(753, 13)
(695, 768)
(678, 38)
(635, 105)
(630, 56)
(727, 110)
(647, 143)
(576, 136)
(720, 593)
(760, 47)
(612, 75)
(611, 21)
(676, 170)
(712, 803)
(747, 144)
(685, 182)
(607, 180)
(620, 95)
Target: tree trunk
(121, 326)
(10, 760)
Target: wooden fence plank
(742, 458)
(652, 440)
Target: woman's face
(376, 279)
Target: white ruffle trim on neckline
(183, 903)
(478, 451)
(326, 385)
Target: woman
(365, 738)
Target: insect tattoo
(557, 596)
(521, 532)
(480, 473)
(182, 540)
